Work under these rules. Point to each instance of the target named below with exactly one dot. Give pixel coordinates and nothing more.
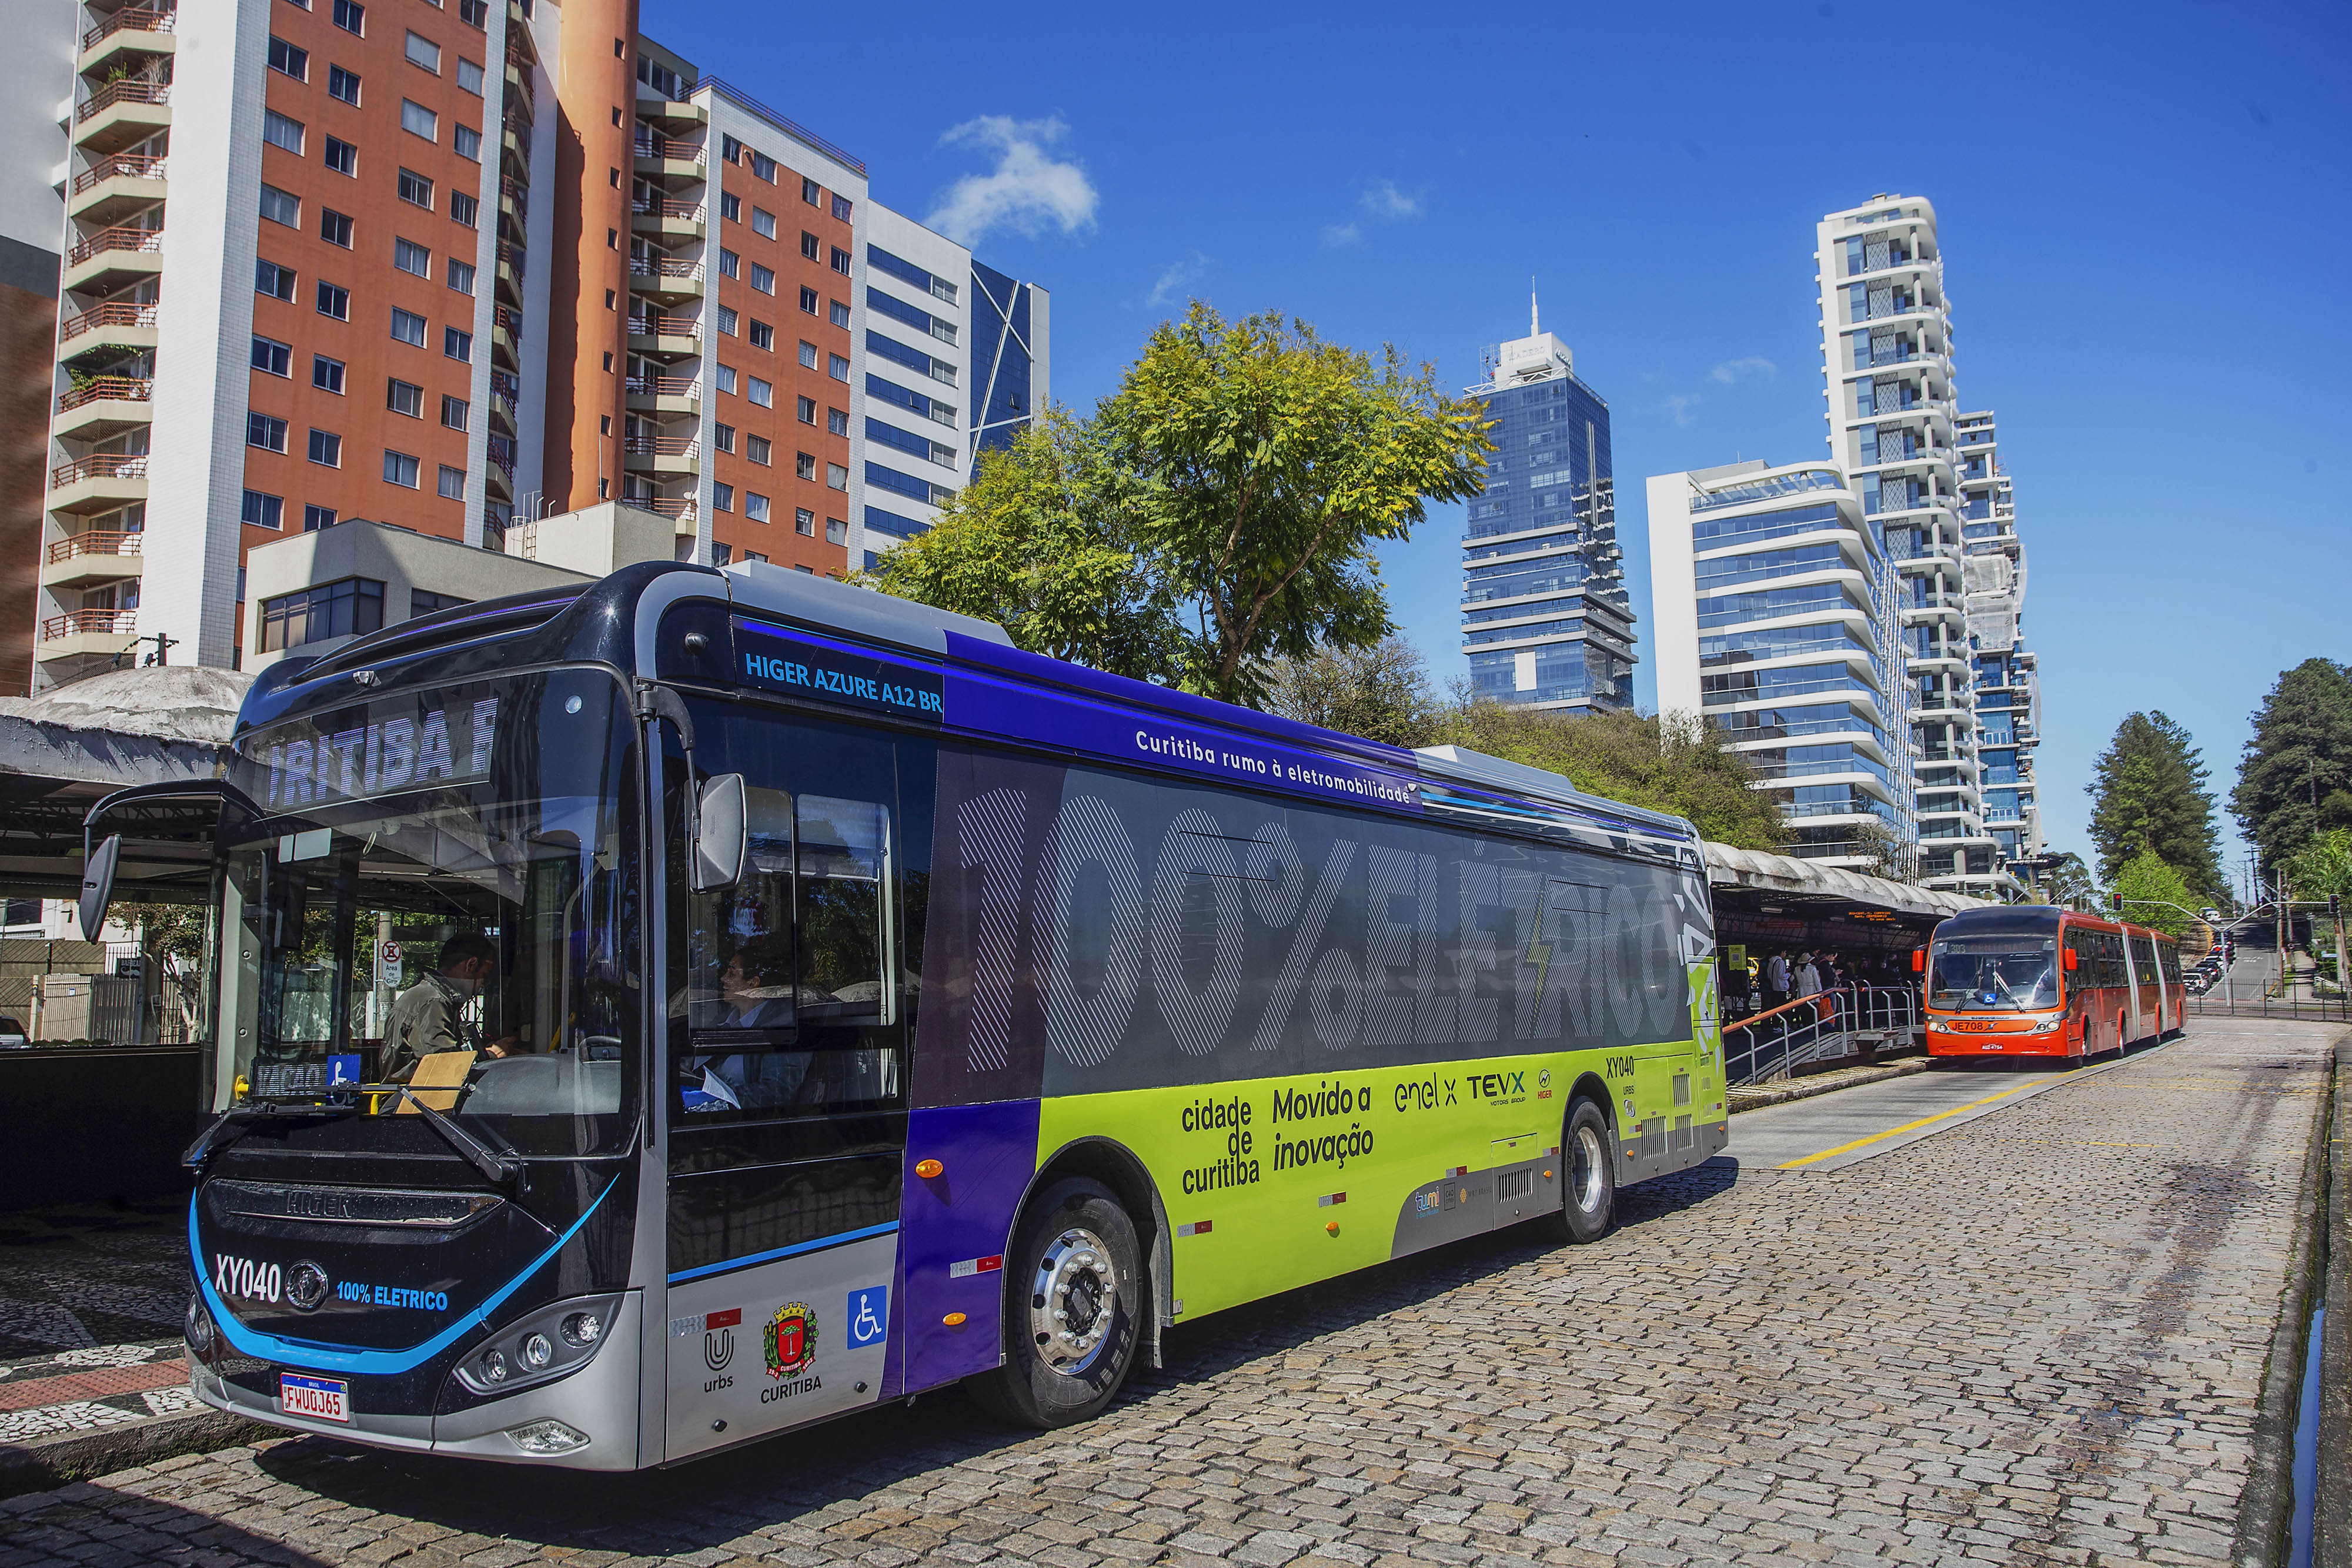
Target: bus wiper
(501, 1165)
(233, 1123)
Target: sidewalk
(1755, 1096)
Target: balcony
(121, 113)
(676, 335)
(674, 455)
(654, 106)
(667, 217)
(116, 188)
(114, 258)
(665, 277)
(133, 31)
(683, 511)
(83, 632)
(662, 394)
(93, 559)
(661, 156)
(118, 325)
(99, 483)
(103, 406)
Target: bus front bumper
(2003, 1036)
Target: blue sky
(2143, 212)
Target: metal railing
(131, 19)
(122, 236)
(661, 446)
(689, 211)
(663, 386)
(125, 389)
(95, 541)
(116, 314)
(668, 150)
(664, 326)
(100, 466)
(121, 622)
(665, 267)
(130, 89)
(134, 165)
(1774, 1043)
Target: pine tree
(2151, 798)
(2295, 779)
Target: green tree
(2295, 779)
(2150, 797)
(2155, 894)
(1043, 542)
(1270, 464)
(1382, 693)
(2323, 869)
(2068, 882)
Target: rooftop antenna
(1534, 329)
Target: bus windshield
(442, 895)
(2002, 973)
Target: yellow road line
(1923, 1121)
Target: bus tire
(1588, 1171)
(1074, 1296)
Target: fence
(2331, 1009)
(1848, 1021)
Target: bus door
(2147, 985)
(786, 1077)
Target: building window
(729, 262)
(842, 208)
(754, 555)
(836, 532)
(836, 478)
(419, 120)
(262, 430)
(838, 367)
(342, 158)
(285, 58)
(809, 246)
(764, 222)
(763, 336)
(762, 393)
(264, 511)
(836, 420)
(351, 16)
(404, 397)
(351, 608)
(763, 278)
(758, 449)
(807, 409)
(808, 299)
(414, 187)
(465, 209)
(281, 207)
(344, 85)
(731, 207)
(408, 326)
(726, 378)
(455, 412)
(423, 603)
(271, 357)
(274, 280)
(326, 449)
(721, 554)
(280, 132)
(805, 522)
(723, 498)
(763, 167)
(334, 301)
(327, 374)
(315, 517)
(729, 149)
(841, 313)
(467, 142)
(727, 319)
(453, 483)
(805, 466)
(755, 506)
(461, 275)
(457, 345)
(841, 261)
(809, 192)
(470, 76)
(399, 468)
(808, 355)
(335, 227)
(722, 436)
(423, 51)
(412, 257)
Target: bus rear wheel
(1075, 1292)
(1587, 1177)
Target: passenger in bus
(754, 993)
(431, 1015)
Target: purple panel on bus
(953, 1228)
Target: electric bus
(2035, 980)
(651, 1016)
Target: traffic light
(2332, 912)
(2115, 902)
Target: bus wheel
(1589, 1188)
(1074, 1294)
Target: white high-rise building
(1887, 340)
(2008, 690)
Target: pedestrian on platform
(1776, 979)
(1809, 977)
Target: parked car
(13, 1036)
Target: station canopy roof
(1805, 881)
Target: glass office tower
(1545, 618)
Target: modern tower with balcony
(2008, 691)
(1546, 621)
(1887, 340)
(1774, 613)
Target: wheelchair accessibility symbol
(868, 1315)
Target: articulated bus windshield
(443, 894)
(2004, 971)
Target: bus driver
(430, 1016)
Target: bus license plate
(321, 1398)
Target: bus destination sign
(842, 677)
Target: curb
(2332, 1524)
(63, 1457)
(1744, 1099)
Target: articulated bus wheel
(1075, 1292)
(1589, 1175)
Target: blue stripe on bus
(819, 1245)
(351, 1358)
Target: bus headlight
(534, 1349)
(202, 1336)
(537, 1351)
(581, 1328)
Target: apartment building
(1545, 617)
(32, 222)
(2008, 688)
(1775, 610)
(1886, 349)
(447, 266)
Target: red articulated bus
(2038, 981)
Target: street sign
(387, 965)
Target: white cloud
(1176, 278)
(1385, 200)
(1028, 191)
(1680, 404)
(1336, 234)
(1734, 371)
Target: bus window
(844, 857)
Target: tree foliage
(2150, 797)
(1382, 693)
(2157, 894)
(2294, 780)
(2069, 884)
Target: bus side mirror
(98, 885)
(719, 836)
(1918, 961)
(2071, 956)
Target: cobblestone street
(2036, 1336)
